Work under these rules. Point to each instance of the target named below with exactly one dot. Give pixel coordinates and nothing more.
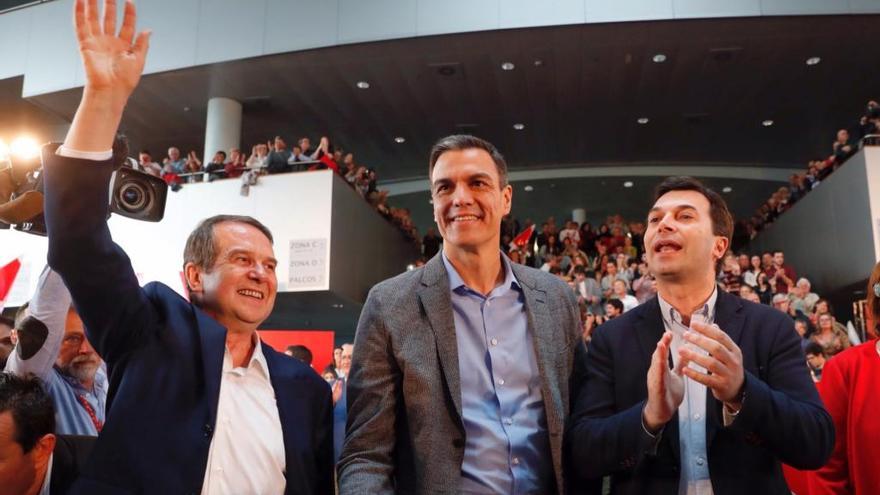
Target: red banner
(7, 277)
(320, 342)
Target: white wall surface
(39, 42)
(293, 206)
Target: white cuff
(98, 156)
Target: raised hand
(112, 62)
(665, 387)
(113, 65)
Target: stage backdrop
(320, 342)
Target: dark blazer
(68, 458)
(405, 432)
(164, 359)
(782, 418)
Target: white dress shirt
(694, 458)
(247, 450)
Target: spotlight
(25, 148)
(643, 120)
(767, 123)
(726, 189)
(400, 140)
(519, 126)
(659, 58)
(813, 60)
(508, 66)
(528, 188)
(363, 85)
(628, 184)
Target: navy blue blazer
(782, 418)
(164, 359)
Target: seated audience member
(801, 297)
(216, 165)
(305, 152)
(236, 165)
(52, 346)
(849, 389)
(6, 343)
(587, 289)
(277, 161)
(613, 309)
(748, 293)
(644, 287)
(34, 460)
(620, 293)
(259, 159)
(146, 164)
(193, 166)
(831, 338)
(570, 232)
(750, 275)
(174, 163)
(300, 353)
(842, 147)
(815, 360)
(199, 403)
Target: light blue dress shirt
(71, 417)
(507, 447)
(694, 476)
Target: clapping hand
(665, 387)
(725, 375)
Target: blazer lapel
(437, 304)
(649, 329)
(213, 340)
(729, 317)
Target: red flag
(7, 278)
(523, 238)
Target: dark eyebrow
(233, 252)
(676, 208)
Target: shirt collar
(47, 479)
(258, 359)
(456, 282)
(671, 315)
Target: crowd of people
(845, 145)
(274, 157)
(606, 268)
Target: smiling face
(679, 239)
(76, 357)
(239, 288)
(469, 200)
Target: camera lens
(133, 197)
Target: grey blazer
(405, 433)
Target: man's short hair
(815, 349)
(802, 280)
(617, 303)
(722, 220)
(459, 142)
(778, 298)
(301, 353)
(30, 407)
(200, 248)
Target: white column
(579, 215)
(223, 127)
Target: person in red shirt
(850, 389)
(783, 274)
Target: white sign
(308, 264)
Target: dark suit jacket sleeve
(600, 440)
(367, 461)
(97, 272)
(784, 410)
(324, 443)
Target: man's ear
(193, 276)
(44, 447)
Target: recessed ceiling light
(400, 140)
(538, 62)
(628, 183)
(519, 126)
(508, 66)
(726, 189)
(659, 58)
(528, 188)
(643, 120)
(813, 60)
(363, 85)
(767, 123)
(186, 109)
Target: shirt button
(508, 421)
(494, 341)
(501, 381)
(697, 416)
(700, 461)
(515, 461)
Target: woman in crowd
(850, 389)
(750, 277)
(831, 338)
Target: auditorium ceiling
(578, 91)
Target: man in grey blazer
(462, 369)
